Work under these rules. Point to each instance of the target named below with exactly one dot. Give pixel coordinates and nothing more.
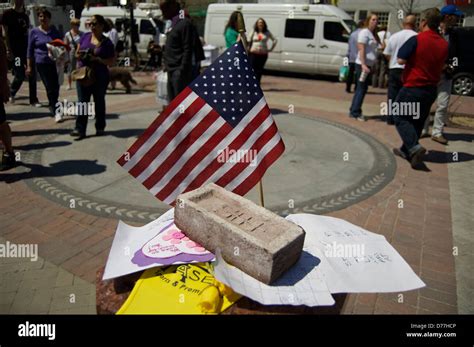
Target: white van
(311, 38)
(148, 24)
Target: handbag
(84, 75)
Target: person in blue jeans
(424, 56)
(96, 51)
(367, 43)
(37, 53)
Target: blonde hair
(75, 21)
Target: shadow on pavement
(459, 137)
(35, 146)
(276, 111)
(279, 90)
(59, 169)
(124, 133)
(36, 132)
(447, 157)
(17, 116)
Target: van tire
(463, 84)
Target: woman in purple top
(38, 52)
(97, 51)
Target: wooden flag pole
(243, 38)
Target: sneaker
(399, 153)
(361, 119)
(417, 157)
(12, 99)
(440, 139)
(68, 88)
(77, 134)
(37, 104)
(424, 134)
(8, 161)
(58, 119)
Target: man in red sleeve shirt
(424, 57)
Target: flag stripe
(168, 136)
(251, 160)
(181, 148)
(191, 163)
(164, 125)
(204, 157)
(214, 134)
(255, 133)
(156, 123)
(255, 176)
(207, 166)
(191, 118)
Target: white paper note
(354, 260)
(301, 285)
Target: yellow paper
(179, 289)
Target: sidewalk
(74, 242)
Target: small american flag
(222, 114)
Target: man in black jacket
(179, 48)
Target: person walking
(112, 34)
(8, 156)
(424, 56)
(450, 15)
(96, 51)
(38, 55)
(230, 32)
(380, 67)
(179, 48)
(367, 43)
(395, 70)
(16, 24)
(352, 55)
(72, 38)
(258, 50)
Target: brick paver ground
(72, 243)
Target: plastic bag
(179, 289)
(343, 73)
(162, 88)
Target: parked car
(311, 38)
(463, 76)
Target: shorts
(3, 115)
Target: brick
(267, 244)
(448, 298)
(390, 306)
(437, 307)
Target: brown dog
(122, 75)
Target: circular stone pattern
(326, 166)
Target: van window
(300, 28)
(146, 27)
(334, 31)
